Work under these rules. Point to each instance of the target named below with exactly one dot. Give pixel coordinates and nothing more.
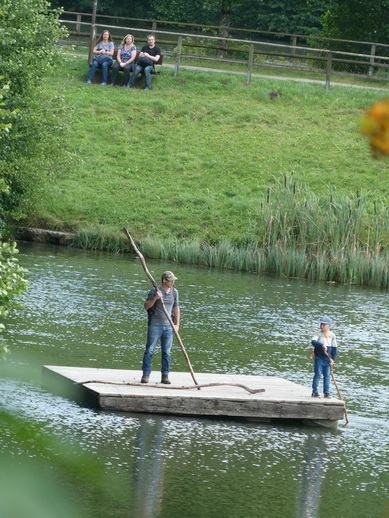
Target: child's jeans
(322, 367)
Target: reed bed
(100, 238)
(283, 257)
(296, 233)
(361, 268)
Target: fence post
(250, 63)
(78, 24)
(178, 55)
(293, 42)
(92, 32)
(154, 27)
(371, 67)
(328, 70)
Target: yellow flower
(375, 126)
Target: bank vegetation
(207, 170)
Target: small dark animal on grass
(274, 94)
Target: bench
(114, 57)
(159, 62)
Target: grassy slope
(196, 155)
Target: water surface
(86, 309)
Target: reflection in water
(312, 474)
(149, 469)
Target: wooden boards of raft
(262, 398)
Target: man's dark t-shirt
(155, 51)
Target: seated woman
(103, 52)
(125, 59)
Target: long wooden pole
(336, 385)
(142, 260)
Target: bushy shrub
(28, 123)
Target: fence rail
(252, 53)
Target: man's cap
(325, 320)
(169, 276)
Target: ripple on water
(83, 307)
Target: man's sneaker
(103, 84)
(315, 394)
(147, 89)
(327, 394)
(165, 379)
(88, 82)
(145, 378)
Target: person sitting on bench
(103, 52)
(148, 56)
(125, 60)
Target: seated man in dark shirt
(148, 56)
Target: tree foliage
(289, 16)
(202, 12)
(301, 16)
(358, 20)
(347, 19)
(12, 281)
(12, 284)
(292, 16)
(28, 34)
(28, 123)
(133, 9)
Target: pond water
(86, 309)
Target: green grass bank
(205, 169)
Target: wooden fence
(251, 53)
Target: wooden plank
(282, 399)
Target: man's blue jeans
(104, 69)
(322, 368)
(147, 71)
(155, 333)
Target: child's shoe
(315, 394)
(327, 394)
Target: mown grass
(190, 162)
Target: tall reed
(297, 233)
(294, 233)
(100, 238)
(327, 236)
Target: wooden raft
(120, 390)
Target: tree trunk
(224, 22)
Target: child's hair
(125, 37)
(101, 37)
